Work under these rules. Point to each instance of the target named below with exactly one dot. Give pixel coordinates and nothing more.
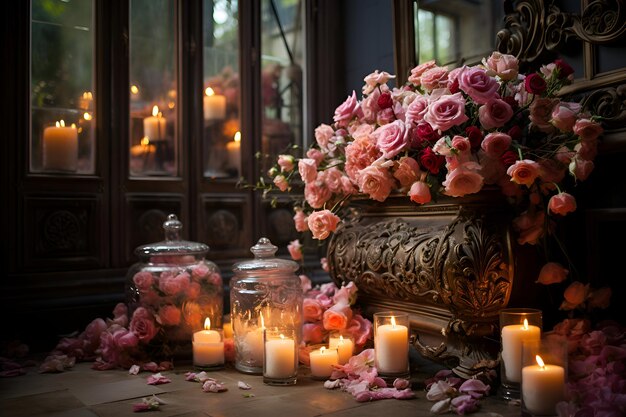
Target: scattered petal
(439, 391)
(158, 379)
(150, 367)
(212, 385)
(243, 385)
(441, 407)
(332, 384)
(401, 383)
(134, 370)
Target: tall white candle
(234, 152)
(345, 348)
(214, 105)
(543, 386)
(60, 147)
(392, 347)
(208, 347)
(154, 127)
(513, 336)
(280, 358)
(322, 361)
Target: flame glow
(393, 321)
(155, 111)
(525, 327)
(209, 91)
(322, 350)
(207, 324)
(540, 361)
(237, 137)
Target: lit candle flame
(322, 350)
(525, 327)
(209, 91)
(155, 111)
(61, 123)
(540, 362)
(145, 141)
(134, 89)
(340, 340)
(393, 322)
(207, 324)
(282, 336)
(171, 104)
(73, 126)
(87, 95)
(237, 137)
(87, 116)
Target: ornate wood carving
(63, 231)
(536, 28)
(610, 103)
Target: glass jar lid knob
(172, 227)
(264, 248)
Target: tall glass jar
(171, 292)
(264, 293)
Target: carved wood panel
(225, 225)
(62, 232)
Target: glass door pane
(62, 87)
(282, 63)
(153, 89)
(222, 136)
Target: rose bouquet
(449, 132)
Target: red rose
(431, 161)
(508, 158)
(535, 84)
(385, 101)
(510, 100)
(475, 136)
(424, 134)
(454, 86)
(515, 132)
(565, 70)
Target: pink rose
(552, 273)
(376, 182)
(541, 113)
(564, 115)
(142, 324)
(345, 112)
(312, 310)
(416, 110)
(169, 315)
(391, 138)
(173, 285)
(199, 272)
(360, 328)
(446, 111)
(300, 221)
(529, 226)
(374, 79)
(316, 155)
(385, 116)
(332, 178)
(587, 129)
(503, 65)
(308, 169)
(407, 172)
(337, 317)
(322, 223)
(494, 113)
(312, 333)
(359, 155)
(416, 73)
(143, 280)
(461, 144)
(496, 143)
(576, 293)
(581, 168)
(463, 180)
(587, 150)
(420, 192)
(346, 294)
(324, 264)
(436, 77)
(562, 203)
(125, 339)
(295, 250)
(523, 172)
(317, 192)
(281, 182)
(286, 163)
(323, 133)
(550, 172)
(478, 85)
(193, 291)
(564, 155)
(305, 283)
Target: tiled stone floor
(83, 392)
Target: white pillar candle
(208, 347)
(543, 386)
(234, 152)
(392, 347)
(253, 344)
(513, 336)
(322, 361)
(154, 126)
(60, 147)
(345, 348)
(214, 105)
(280, 358)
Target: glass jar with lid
(171, 292)
(264, 293)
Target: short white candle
(154, 126)
(513, 336)
(543, 386)
(392, 347)
(253, 344)
(208, 347)
(345, 348)
(234, 152)
(60, 147)
(214, 105)
(322, 361)
(280, 358)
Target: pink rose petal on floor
(150, 367)
(243, 385)
(212, 385)
(134, 370)
(157, 379)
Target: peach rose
(169, 315)
(503, 65)
(286, 163)
(193, 291)
(564, 115)
(580, 168)
(496, 143)
(295, 250)
(576, 294)
(300, 221)
(322, 223)
(463, 180)
(374, 79)
(524, 172)
(305, 283)
(407, 172)
(337, 317)
(436, 77)
(420, 192)
(199, 272)
(312, 310)
(552, 273)
(416, 73)
(587, 129)
(541, 113)
(376, 182)
(143, 280)
(281, 182)
(307, 168)
(316, 155)
(562, 203)
(316, 192)
(345, 112)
